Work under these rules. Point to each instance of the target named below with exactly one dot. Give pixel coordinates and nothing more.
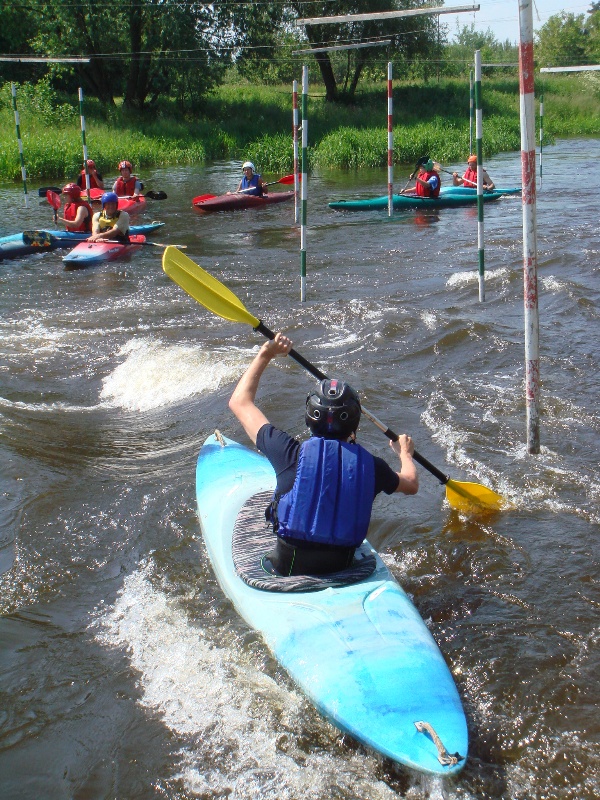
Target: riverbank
(249, 121)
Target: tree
(562, 41)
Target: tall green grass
(249, 121)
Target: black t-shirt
(282, 451)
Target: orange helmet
(472, 159)
(125, 165)
(73, 190)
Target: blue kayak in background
(359, 651)
(28, 242)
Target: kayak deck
(360, 652)
(240, 201)
(88, 253)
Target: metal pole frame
(13, 90)
(295, 142)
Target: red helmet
(91, 163)
(125, 165)
(73, 190)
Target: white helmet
(247, 164)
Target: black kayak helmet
(332, 410)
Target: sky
(502, 16)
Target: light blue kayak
(360, 652)
(15, 245)
(470, 190)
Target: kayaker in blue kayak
(469, 179)
(251, 182)
(110, 223)
(326, 486)
(428, 183)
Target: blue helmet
(109, 197)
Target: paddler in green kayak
(469, 179)
(110, 223)
(326, 486)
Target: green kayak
(406, 201)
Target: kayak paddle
(54, 199)
(213, 295)
(96, 194)
(287, 179)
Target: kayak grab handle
(444, 757)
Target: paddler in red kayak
(110, 223)
(469, 179)
(428, 182)
(127, 185)
(325, 489)
(96, 181)
(251, 182)
(77, 214)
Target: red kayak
(87, 254)
(132, 205)
(238, 201)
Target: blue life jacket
(332, 496)
(252, 184)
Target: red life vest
(125, 188)
(93, 182)
(71, 212)
(470, 178)
(422, 191)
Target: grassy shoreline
(249, 121)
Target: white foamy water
(154, 374)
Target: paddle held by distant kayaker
(427, 182)
(251, 182)
(469, 179)
(78, 213)
(96, 181)
(326, 486)
(110, 223)
(127, 185)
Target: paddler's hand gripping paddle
(213, 295)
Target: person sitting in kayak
(325, 486)
(110, 223)
(251, 182)
(96, 181)
(428, 183)
(469, 179)
(127, 185)
(77, 214)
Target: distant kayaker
(110, 223)
(251, 182)
(469, 179)
(314, 511)
(78, 213)
(96, 181)
(127, 185)
(427, 183)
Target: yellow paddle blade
(466, 496)
(208, 291)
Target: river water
(124, 672)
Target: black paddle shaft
(316, 372)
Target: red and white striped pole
(390, 142)
(295, 140)
(530, 286)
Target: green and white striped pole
(471, 103)
(304, 186)
(85, 151)
(20, 143)
(295, 144)
(541, 135)
(479, 154)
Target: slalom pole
(85, 152)
(13, 89)
(471, 104)
(530, 287)
(304, 188)
(541, 135)
(479, 154)
(295, 141)
(390, 142)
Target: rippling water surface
(124, 672)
